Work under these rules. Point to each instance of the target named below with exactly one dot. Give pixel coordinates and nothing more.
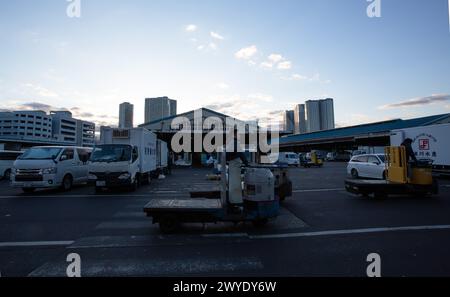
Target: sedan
(368, 166)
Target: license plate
(101, 184)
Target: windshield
(111, 153)
(41, 153)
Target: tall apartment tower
(300, 119)
(126, 111)
(159, 108)
(289, 121)
(312, 115)
(327, 114)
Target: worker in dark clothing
(410, 155)
(169, 164)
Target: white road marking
(35, 243)
(351, 231)
(319, 190)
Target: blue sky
(247, 58)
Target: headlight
(92, 176)
(125, 176)
(49, 170)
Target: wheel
(67, 183)
(7, 174)
(355, 173)
(259, 223)
(134, 186)
(169, 224)
(28, 190)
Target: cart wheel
(259, 223)
(169, 224)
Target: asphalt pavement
(321, 231)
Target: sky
(250, 59)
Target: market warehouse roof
(366, 130)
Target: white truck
(429, 142)
(124, 158)
(162, 157)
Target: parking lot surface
(321, 231)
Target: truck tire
(169, 224)
(135, 184)
(67, 183)
(28, 190)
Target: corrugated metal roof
(360, 130)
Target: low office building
(23, 129)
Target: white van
(291, 159)
(7, 159)
(51, 167)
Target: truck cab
(114, 165)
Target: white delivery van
(7, 159)
(429, 142)
(162, 157)
(291, 159)
(51, 167)
(124, 158)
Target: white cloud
(41, 91)
(247, 52)
(286, 65)
(191, 28)
(251, 63)
(200, 47)
(266, 65)
(275, 58)
(212, 46)
(216, 35)
(298, 77)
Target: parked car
(51, 167)
(368, 166)
(291, 159)
(331, 157)
(7, 159)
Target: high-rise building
(159, 108)
(312, 108)
(300, 119)
(327, 114)
(126, 115)
(314, 115)
(288, 121)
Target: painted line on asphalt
(351, 231)
(35, 243)
(319, 190)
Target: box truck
(123, 158)
(429, 142)
(162, 157)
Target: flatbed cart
(260, 202)
(419, 183)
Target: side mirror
(63, 158)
